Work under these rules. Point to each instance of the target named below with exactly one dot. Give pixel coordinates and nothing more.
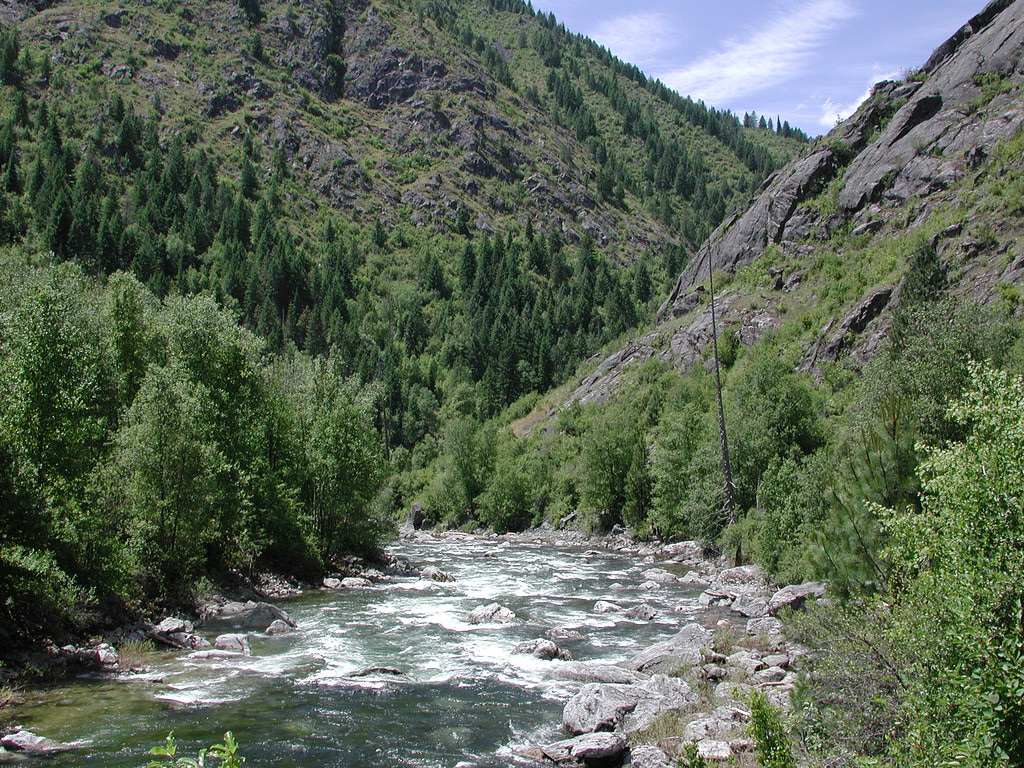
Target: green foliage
(227, 753)
(770, 741)
(773, 414)
(612, 460)
(144, 444)
(931, 675)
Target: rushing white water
(465, 698)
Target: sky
(810, 62)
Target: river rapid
(466, 699)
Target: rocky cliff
(911, 160)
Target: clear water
(466, 700)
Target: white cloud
(767, 58)
(636, 38)
(832, 112)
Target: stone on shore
(681, 650)
(751, 606)
(648, 756)
(590, 747)
(629, 708)
(589, 672)
(795, 595)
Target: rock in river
(492, 614)
(265, 614)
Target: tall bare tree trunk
(730, 507)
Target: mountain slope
(830, 236)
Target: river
(467, 699)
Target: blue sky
(809, 61)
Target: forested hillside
(419, 212)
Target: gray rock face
(265, 614)
(835, 340)
(742, 239)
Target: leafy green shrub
(226, 753)
(770, 740)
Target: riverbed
(465, 699)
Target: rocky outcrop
(922, 149)
(837, 339)
(742, 238)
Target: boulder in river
(641, 613)
(234, 642)
(379, 672)
(29, 743)
(492, 614)
(563, 633)
(430, 573)
(356, 582)
(660, 575)
(264, 614)
(330, 583)
(542, 649)
(278, 627)
(606, 606)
